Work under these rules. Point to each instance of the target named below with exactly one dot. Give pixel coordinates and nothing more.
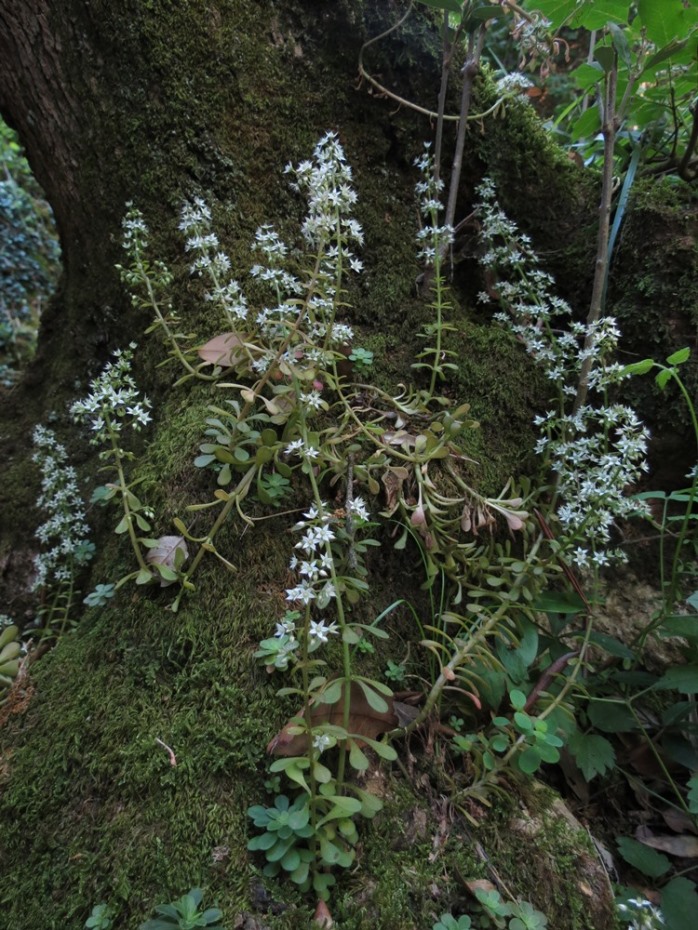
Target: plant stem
(123, 487)
(470, 69)
(447, 672)
(609, 129)
(165, 326)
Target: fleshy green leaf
(678, 358)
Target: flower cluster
(640, 914)
(210, 260)
(134, 240)
(598, 451)
(326, 181)
(66, 531)
(313, 564)
(114, 401)
(432, 238)
(328, 228)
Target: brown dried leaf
(393, 480)
(224, 350)
(678, 821)
(363, 721)
(685, 846)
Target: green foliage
(652, 45)
(593, 754)
(395, 672)
(449, 922)
(492, 911)
(362, 359)
(101, 595)
(679, 903)
(644, 858)
(10, 653)
(185, 914)
(29, 256)
(101, 918)
(522, 739)
(328, 827)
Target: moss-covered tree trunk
(155, 101)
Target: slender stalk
(123, 487)
(447, 672)
(152, 298)
(341, 619)
(609, 129)
(470, 70)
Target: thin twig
(609, 128)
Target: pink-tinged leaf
(515, 521)
(224, 350)
(170, 552)
(322, 919)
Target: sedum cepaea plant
(64, 535)
(285, 413)
(112, 409)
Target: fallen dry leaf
(224, 350)
(685, 846)
(363, 720)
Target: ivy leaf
(593, 754)
(683, 678)
(680, 904)
(693, 794)
(646, 860)
(670, 19)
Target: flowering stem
(145, 278)
(438, 302)
(341, 619)
(123, 487)
(233, 498)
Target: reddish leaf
(322, 919)
(223, 350)
(363, 721)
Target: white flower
(303, 592)
(323, 534)
(358, 508)
(320, 631)
(65, 531)
(321, 742)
